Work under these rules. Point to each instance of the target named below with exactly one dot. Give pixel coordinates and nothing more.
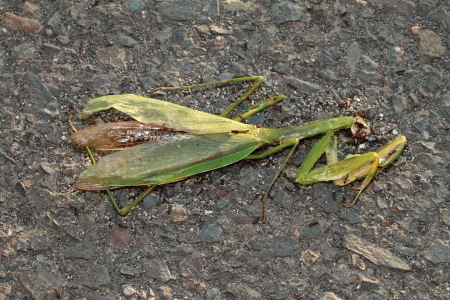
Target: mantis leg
(126, 209)
(259, 80)
(313, 156)
(289, 143)
(259, 107)
(294, 143)
(350, 169)
(268, 152)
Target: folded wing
(149, 110)
(167, 160)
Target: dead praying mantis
(170, 142)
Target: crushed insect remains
(150, 146)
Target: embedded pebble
(439, 252)
(94, 276)
(42, 281)
(430, 44)
(28, 8)
(242, 291)
(209, 234)
(113, 56)
(24, 51)
(179, 10)
(165, 292)
(157, 269)
(329, 296)
(286, 12)
(13, 22)
(130, 271)
(376, 255)
(128, 290)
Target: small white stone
(128, 290)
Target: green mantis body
(169, 142)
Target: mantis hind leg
(126, 209)
(258, 82)
(289, 143)
(259, 107)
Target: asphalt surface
(202, 238)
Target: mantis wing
(149, 110)
(167, 160)
(119, 135)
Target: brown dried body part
(119, 135)
(360, 128)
